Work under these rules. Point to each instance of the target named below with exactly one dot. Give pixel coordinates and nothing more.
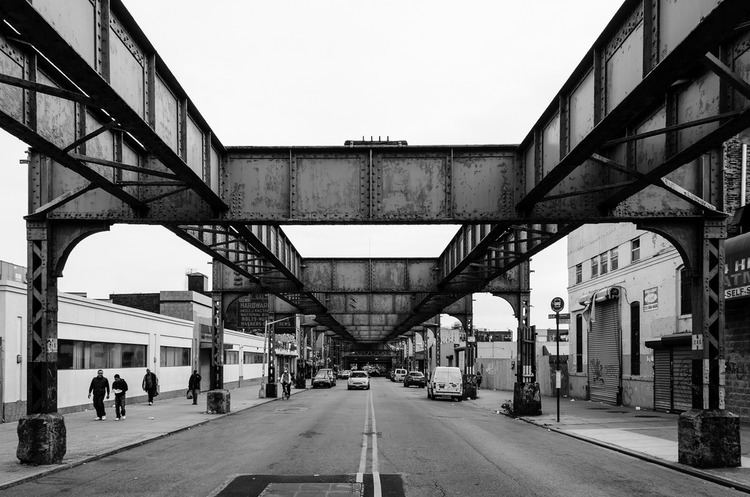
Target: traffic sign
(557, 304)
(563, 316)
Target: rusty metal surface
(633, 135)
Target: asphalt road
(422, 448)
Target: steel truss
(635, 134)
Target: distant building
(493, 336)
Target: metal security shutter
(663, 380)
(604, 353)
(682, 368)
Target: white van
(398, 375)
(445, 382)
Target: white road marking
(375, 469)
(363, 454)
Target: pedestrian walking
(194, 385)
(119, 387)
(479, 380)
(99, 387)
(150, 385)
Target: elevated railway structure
(635, 134)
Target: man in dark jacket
(99, 386)
(150, 386)
(194, 385)
(119, 387)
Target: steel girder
(646, 102)
(483, 258)
(258, 259)
(649, 98)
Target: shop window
(77, 354)
(252, 358)
(635, 338)
(174, 356)
(231, 357)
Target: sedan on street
(358, 379)
(415, 378)
(324, 378)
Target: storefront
(672, 372)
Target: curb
(698, 473)
(117, 450)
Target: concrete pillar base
(218, 401)
(709, 439)
(42, 439)
(271, 391)
(527, 399)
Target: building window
(231, 357)
(76, 354)
(686, 301)
(579, 273)
(635, 339)
(635, 250)
(613, 259)
(252, 358)
(595, 266)
(174, 356)
(579, 343)
(603, 258)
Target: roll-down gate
(604, 353)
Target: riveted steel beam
(144, 98)
(621, 84)
(386, 275)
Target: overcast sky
(321, 72)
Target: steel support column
(708, 435)
(41, 433)
(218, 400)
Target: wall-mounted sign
(737, 267)
(650, 299)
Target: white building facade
(96, 335)
(624, 291)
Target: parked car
(445, 382)
(324, 378)
(358, 379)
(415, 378)
(344, 374)
(398, 375)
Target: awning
(670, 341)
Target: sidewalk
(89, 439)
(645, 434)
